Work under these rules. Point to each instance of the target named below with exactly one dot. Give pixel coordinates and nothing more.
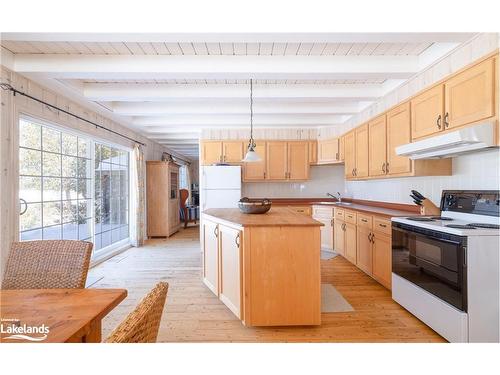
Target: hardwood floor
(194, 314)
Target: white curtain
(137, 201)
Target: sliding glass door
(71, 186)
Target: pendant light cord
(252, 142)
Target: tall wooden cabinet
(162, 198)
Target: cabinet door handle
(337, 156)
(370, 237)
(264, 174)
(373, 237)
(383, 167)
(216, 231)
(446, 123)
(331, 222)
(237, 240)
(352, 172)
(386, 168)
(438, 122)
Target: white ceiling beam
(239, 120)
(242, 37)
(230, 107)
(216, 67)
(164, 92)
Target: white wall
(323, 179)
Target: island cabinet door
(210, 235)
(230, 268)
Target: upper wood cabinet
(211, 152)
(221, 152)
(361, 151)
(255, 171)
(350, 154)
(470, 95)
(377, 146)
(328, 151)
(398, 133)
(342, 148)
(276, 160)
(298, 160)
(427, 112)
(313, 152)
(232, 151)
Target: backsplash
(323, 179)
(479, 171)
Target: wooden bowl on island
(254, 206)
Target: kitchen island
(265, 268)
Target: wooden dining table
(62, 315)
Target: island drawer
(382, 225)
(306, 210)
(350, 216)
(365, 221)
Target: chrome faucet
(338, 198)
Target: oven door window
(431, 263)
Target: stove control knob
(450, 200)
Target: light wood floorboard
(194, 314)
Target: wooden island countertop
(275, 217)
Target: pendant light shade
(251, 155)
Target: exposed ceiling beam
(230, 107)
(216, 67)
(163, 92)
(242, 37)
(240, 120)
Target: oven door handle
(456, 243)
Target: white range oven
(445, 269)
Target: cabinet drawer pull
(237, 240)
(383, 225)
(438, 122)
(364, 220)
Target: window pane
(70, 231)
(51, 189)
(52, 233)
(124, 232)
(30, 189)
(51, 213)
(105, 154)
(29, 162)
(69, 188)
(70, 211)
(32, 218)
(115, 212)
(84, 230)
(115, 235)
(51, 164)
(51, 139)
(83, 168)
(124, 158)
(106, 239)
(83, 147)
(30, 135)
(69, 166)
(31, 235)
(84, 209)
(97, 185)
(84, 188)
(97, 242)
(69, 144)
(97, 156)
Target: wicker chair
(47, 264)
(142, 324)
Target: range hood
(461, 141)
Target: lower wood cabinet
(210, 243)
(230, 241)
(365, 242)
(324, 214)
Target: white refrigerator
(220, 186)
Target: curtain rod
(6, 86)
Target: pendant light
(251, 155)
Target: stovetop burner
(459, 226)
(484, 225)
(420, 218)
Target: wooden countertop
(371, 207)
(275, 217)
